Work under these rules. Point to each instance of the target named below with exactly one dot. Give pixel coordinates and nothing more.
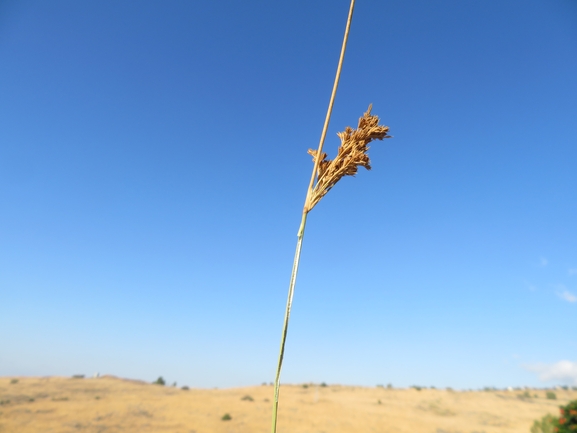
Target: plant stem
(301, 232)
(331, 103)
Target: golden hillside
(109, 405)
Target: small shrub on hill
(159, 381)
(551, 395)
(324, 385)
(524, 395)
(59, 398)
(247, 398)
(13, 381)
(544, 425)
(226, 417)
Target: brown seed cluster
(352, 153)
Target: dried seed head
(352, 153)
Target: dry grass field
(109, 405)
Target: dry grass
(327, 174)
(110, 405)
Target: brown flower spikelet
(352, 153)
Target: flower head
(351, 154)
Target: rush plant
(352, 154)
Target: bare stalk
(306, 209)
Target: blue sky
(153, 169)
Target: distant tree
(159, 381)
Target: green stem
(307, 208)
(300, 235)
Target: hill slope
(110, 405)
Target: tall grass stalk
(326, 173)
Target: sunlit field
(109, 404)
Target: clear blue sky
(153, 169)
